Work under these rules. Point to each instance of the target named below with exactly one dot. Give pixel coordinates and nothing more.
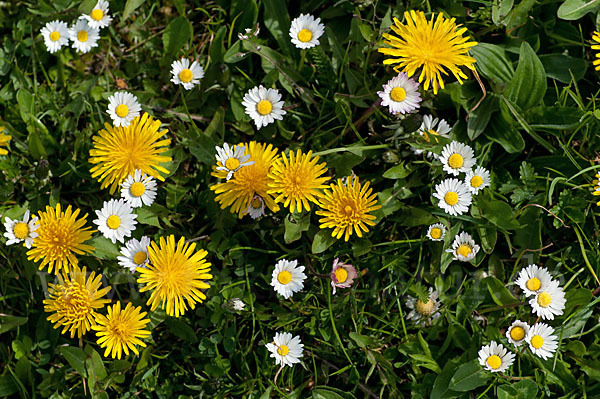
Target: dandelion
(21, 230)
(550, 302)
(342, 275)
(533, 279)
(138, 189)
(516, 332)
(119, 151)
(116, 220)
(288, 278)
(60, 236)
(98, 18)
(477, 179)
(495, 357)
(56, 35)
(305, 31)
(455, 197)
(121, 330)
(134, 253)
(285, 349)
(457, 157)
(463, 248)
(436, 232)
(596, 62)
(176, 274)
(597, 176)
(263, 105)
(186, 75)
(400, 94)
(4, 139)
(83, 36)
(256, 208)
(123, 107)
(230, 159)
(424, 313)
(541, 340)
(435, 46)
(74, 300)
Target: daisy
(56, 35)
(139, 189)
(230, 159)
(121, 330)
(463, 248)
(99, 17)
(516, 332)
(436, 232)
(288, 278)
(541, 341)
(550, 302)
(454, 196)
(116, 220)
(424, 313)
(256, 208)
(477, 179)
(135, 253)
(236, 305)
(263, 105)
(285, 349)
(457, 157)
(434, 127)
(495, 357)
(123, 107)
(21, 230)
(342, 275)
(186, 75)
(84, 37)
(533, 279)
(400, 94)
(305, 31)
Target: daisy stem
(188, 113)
(337, 335)
(357, 148)
(60, 79)
(585, 258)
(402, 317)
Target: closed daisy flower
(83, 36)
(134, 253)
(436, 47)
(342, 275)
(436, 232)
(516, 332)
(549, 302)
(123, 107)
(186, 75)
(400, 94)
(306, 31)
(533, 279)
(98, 18)
(263, 105)
(596, 39)
(424, 313)
(455, 197)
(230, 159)
(288, 278)
(457, 157)
(285, 349)
(541, 340)
(495, 357)
(477, 179)
(121, 330)
(21, 230)
(138, 189)
(464, 247)
(4, 139)
(116, 220)
(256, 208)
(56, 35)
(431, 127)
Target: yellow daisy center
(533, 284)
(517, 333)
(122, 110)
(186, 75)
(137, 189)
(82, 36)
(283, 350)
(537, 341)
(232, 163)
(425, 308)
(455, 161)
(97, 14)
(427, 133)
(476, 181)
(264, 107)
(544, 299)
(451, 198)
(140, 258)
(494, 362)
(305, 35)
(284, 277)
(398, 94)
(113, 222)
(256, 203)
(341, 274)
(54, 36)
(436, 233)
(21, 230)
(464, 250)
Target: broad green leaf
(500, 294)
(7, 386)
(479, 119)
(575, 9)
(500, 9)
(325, 393)
(505, 134)
(492, 62)
(176, 35)
(217, 46)
(440, 386)
(397, 172)
(94, 364)
(526, 389)
(322, 241)
(562, 66)
(8, 322)
(130, 7)
(363, 341)
(413, 216)
(497, 212)
(294, 229)
(555, 117)
(104, 248)
(528, 86)
(76, 358)
(277, 21)
(181, 329)
(146, 216)
(468, 377)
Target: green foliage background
(536, 130)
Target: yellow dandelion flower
(596, 38)
(121, 330)
(296, 180)
(74, 300)
(347, 207)
(247, 182)
(436, 47)
(4, 139)
(119, 151)
(175, 274)
(60, 236)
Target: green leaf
(500, 294)
(440, 386)
(361, 340)
(176, 35)
(505, 134)
(277, 21)
(397, 172)
(105, 248)
(146, 216)
(575, 9)
(94, 364)
(500, 10)
(497, 212)
(181, 329)
(468, 377)
(76, 358)
(217, 47)
(8, 322)
(130, 7)
(528, 86)
(493, 63)
(294, 229)
(325, 393)
(203, 148)
(480, 118)
(7, 385)
(555, 117)
(562, 66)
(412, 216)
(322, 241)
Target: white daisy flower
(342, 275)
(516, 332)
(56, 35)
(236, 304)
(116, 220)
(533, 279)
(434, 127)
(84, 37)
(263, 105)
(495, 357)
(436, 232)
(400, 94)
(288, 278)
(232, 158)
(305, 31)
(477, 179)
(550, 302)
(541, 341)
(421, 312)
(455, 197)
(186, 75)
(99, 17)
(135, 253)
(457, 157)
(256, 208)
(21, 230)
(285, 349)
(123, 107)
(463, 247)
(139, 189)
